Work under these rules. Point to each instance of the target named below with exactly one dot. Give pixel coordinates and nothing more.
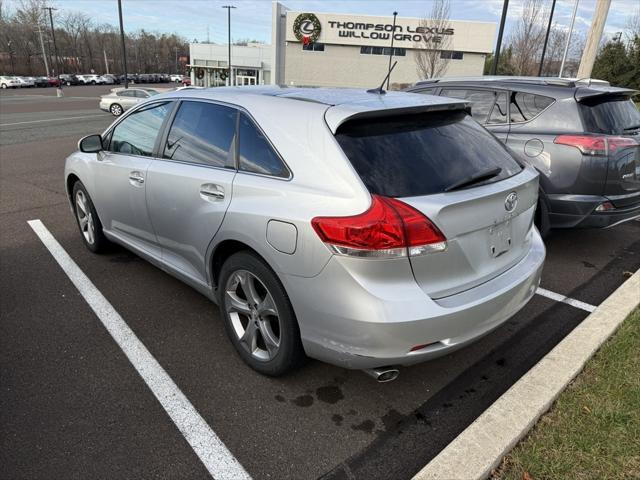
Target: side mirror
(90, 144)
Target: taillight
(594, 144)
(587, 144)
(390, 228)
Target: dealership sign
(382, 31)
(410, 33)
(307, 28)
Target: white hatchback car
(9, 82)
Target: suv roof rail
(557, 81)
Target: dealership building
(341, 50)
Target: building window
(451, 55)
(313, 47)
(368, 50)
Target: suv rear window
(411, 155)
(609, 115)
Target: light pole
(393, 34)
(177, 60)
(229, 7)
(55, 51)
(546, 38)
(496, 59)
(44, 54)
(566, 47)
(124, 51)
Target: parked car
(345, 239)
(9, 82)
(186, 81)
(53, 81)
(112, 79)
(177, 78)
(91, 79)
(122, 99)
(69, 80)
(26, 82)
(41, 81)
(582, 136)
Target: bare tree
(527, 38)
(430, 56)
(632, 26)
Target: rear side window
(202, 133)
(481, 101)
(610, 115)
(137, 133)
(256, 154)
(499, 112)
(525, 106)
(413, 155)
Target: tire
(4, 85)
(68, 84)
(116, 110)
(91, 228)
(542, 218)
(93, 82)
(267, 338)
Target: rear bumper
(579, 211)
(344, 323)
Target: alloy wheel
(85, 218)
(116, 110)
(253, 314)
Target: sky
(202, 19)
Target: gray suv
(582, 136)
(367, 230)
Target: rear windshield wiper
(475, 178)
(635, 127)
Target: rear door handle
(136, 178)
(211, 192)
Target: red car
(186, 81)
(54, 82)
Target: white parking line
(53, 120)
(569, 301)
(215, 456)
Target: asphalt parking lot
(72, 405)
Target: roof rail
(563, 82)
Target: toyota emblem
(511, 201)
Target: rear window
(411, 155)
(610, 115)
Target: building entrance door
(245, 80)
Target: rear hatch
(454, 172)
(614, 116)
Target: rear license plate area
(500, 238)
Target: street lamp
(55, 51)
(229, 7)
(124, 51)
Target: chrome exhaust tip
(383, 374)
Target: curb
(482, 445)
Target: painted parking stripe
(215, 456)
(59, 119)
(569, 301)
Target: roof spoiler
(339, 114)
(584, 93)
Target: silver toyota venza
(364, 229)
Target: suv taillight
(390, 228)
(595, 144)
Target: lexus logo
(306, 27)
(511, 201)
